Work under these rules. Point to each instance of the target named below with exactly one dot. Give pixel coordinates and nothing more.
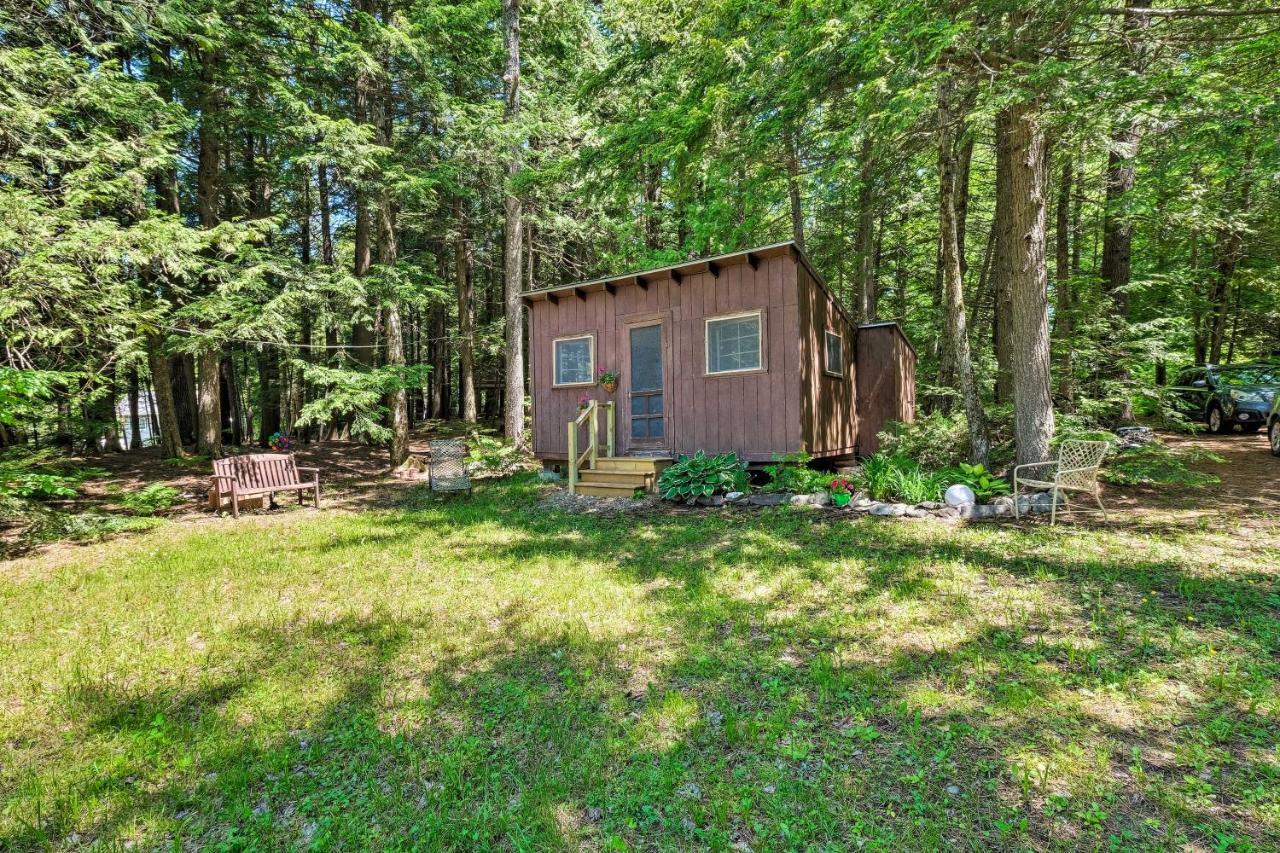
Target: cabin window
(574, 360)
(733, 343)
(834, 364)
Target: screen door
(648, 428)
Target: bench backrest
(259, 470)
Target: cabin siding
(790, 404)
(886, 382)
(829, 417)
(754, 415)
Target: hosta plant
(701, 476)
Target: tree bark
(1002, 270)
(1062, 319)
(135, 423)
(1024, 149)
(1117, 230)
(514, 414)
(793, 190)
(170, 438)
(208, 404)
(208, 195)
(462, 267)
(957, 333)
(866, 236)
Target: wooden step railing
(590, 417)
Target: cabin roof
(676, 271)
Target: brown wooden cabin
(746, 352)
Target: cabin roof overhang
(676, 272)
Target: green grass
(478, 673)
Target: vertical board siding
(886, 383)
(754, 414)
(830, 404)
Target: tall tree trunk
(514, 415)
(462, 267)
(901, 273)
(397, 399)
(135, 422)
(170, 438)
(866, 296)
(1062, 318)
(1024, 147)
(793, 189)
(957, 333)
(268, 395)
(362, 339)
(1227, 250)
(1117, 229)
(208, 404)
(230, 401)
(1007, 249)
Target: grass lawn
(479, 673)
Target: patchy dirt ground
(1249, 487)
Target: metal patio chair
(1075, 470)
(447, 468)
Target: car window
(1189, 377)
(1255, 374)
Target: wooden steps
(621, 476)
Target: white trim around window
(758, 367)
(827, 337)
(590, 378)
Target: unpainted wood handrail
(589, 414)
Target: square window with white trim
(574, 360)
(734, 343)
(834, 353)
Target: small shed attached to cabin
(747, 352)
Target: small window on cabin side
(733, 343)
(834, 354)
(574, 361)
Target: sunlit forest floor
(474, 672)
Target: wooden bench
(258, 476)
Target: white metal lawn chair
(1075, 470)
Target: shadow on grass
(778, 699)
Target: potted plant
(583, 403)
(840, 492)
(609, 380)
(280, 442)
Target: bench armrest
(222, 477)
(315, 471)
(1050, 465)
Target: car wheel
(1215, 420)
(1274, 434)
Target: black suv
(1226, 395)
(1273, 427)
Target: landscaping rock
(889, 510)
(1004, 504)
(979, 512)
(1134, 436)
(960, 495)
(821, 499)
(930, 505)
(1043, 501)
(916, 512)
(734, 497)
(815, 499)
(771, 499)
(713, 500)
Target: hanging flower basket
(608, 380)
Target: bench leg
(317, 494)
(235, 505)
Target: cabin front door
(646, 419)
